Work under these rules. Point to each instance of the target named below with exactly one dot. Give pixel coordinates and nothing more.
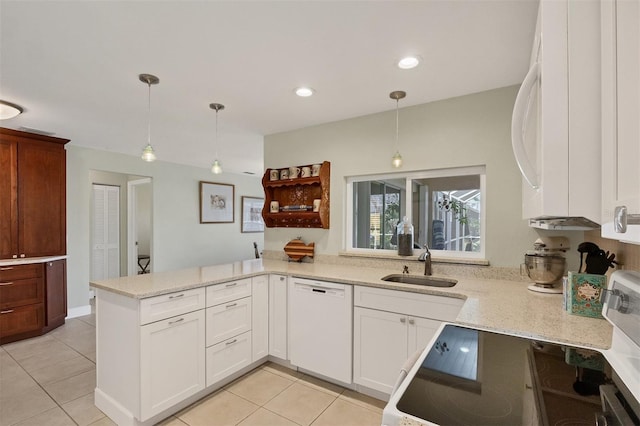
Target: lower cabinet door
(21, 319)
(278, 316)
(380, 348)
(259, 317)
(421, 330)
(172, 364)
(227, 357)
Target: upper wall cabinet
(297, 202)
(556, 117)
(32, 195)
(621, 120)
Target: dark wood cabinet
(33, 296)
(32, 195)
(22, 302)
(55, 278)
(293, 193)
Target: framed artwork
(252, 214)
(216, 202)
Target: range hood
(563, 223)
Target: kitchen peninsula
(221, 321)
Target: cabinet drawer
(228, 357)
(21, 292)
(228, 320)
(21, 319)
(20, 272)
(225, 292)
(421, 305)
(169, 305)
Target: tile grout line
(41, 386)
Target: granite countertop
(493, 305)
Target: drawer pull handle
(6, 283)
(176, 321)
(231, 342)
(175, 297)
(232, 305)
(8, 311)
(6, 268)
(231, 285)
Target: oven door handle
(404, 370)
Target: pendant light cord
(216, 157)
(149, 117)
(397, 124)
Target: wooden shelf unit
(295, 192)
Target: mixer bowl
(545, 269)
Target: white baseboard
(79, 311)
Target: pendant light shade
(148, 154)
(396, 160)
(216, 167)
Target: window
(445, 207)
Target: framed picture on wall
(216, 202)
(252, 214)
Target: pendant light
(216, 167)
(147, 153)
(396, 160)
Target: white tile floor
(49, 380)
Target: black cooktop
(473, 377)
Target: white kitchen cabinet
(227, 357)
(229, 324)
(228, 319)
(620, 117)
(146, 368)
(259, 317)
(389, 326)
(172, 364)
(278, 316)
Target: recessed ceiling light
(409, 62)
(304, 92)
(9, 110)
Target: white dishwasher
(320, 327)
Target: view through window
(445, 207)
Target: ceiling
(74, 66)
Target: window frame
(409, 177)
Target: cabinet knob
(22, 255)
(412, 321)
(281, 278)
(15, 256)
(403, 320)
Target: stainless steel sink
(420, 280)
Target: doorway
(140, 260)
(142, 188)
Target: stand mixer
(546, 264)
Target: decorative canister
(405, 237)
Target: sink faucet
(426, 258)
